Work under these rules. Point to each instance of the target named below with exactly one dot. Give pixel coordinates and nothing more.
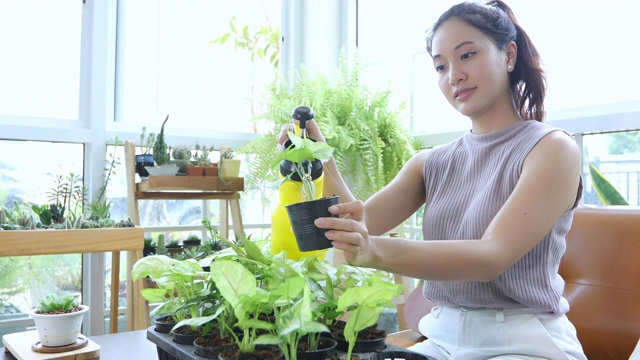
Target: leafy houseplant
(303, 158)
(260, 299)
(365, 303)
(370, 142)
(58, 320)
(180, 282)
(174, 247)
(192, 240)
(301, 154)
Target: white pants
(455, 333)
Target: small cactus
(3, 216)
(160, 150)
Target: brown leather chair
(601, 268)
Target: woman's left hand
(348, 232)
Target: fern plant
(370, 143)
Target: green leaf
(232, 280)
(198, 321)
(605, 190)
(154, 295)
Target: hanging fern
(370, 143)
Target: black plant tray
(169, 350)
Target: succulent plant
(160, 150)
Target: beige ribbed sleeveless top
(467, 181)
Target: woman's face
(472, 71)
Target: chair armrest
(405, 338)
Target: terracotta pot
(211, 170)
(192, 170)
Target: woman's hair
(496, 20)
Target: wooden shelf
(50, 241)
(178, 187)
(186, 184)
(73, 241)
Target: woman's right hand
(312, 129)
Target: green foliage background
(370, 143)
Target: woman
(499, 201)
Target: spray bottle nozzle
(302, 114)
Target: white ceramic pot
(59, 329)
(230, 167)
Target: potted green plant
(180, 283)
(364, 303)
(260, 299)
(162, 155)
(302, 157)
(146, 157)
(228, 165)
(208, 168)
(181, 155)
(174, 247)
(192, 240)
(58, 320)
(149, 246)
(194, 168)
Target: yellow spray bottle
(282, 237)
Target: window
(40, 66)
(576, 40)
(25, 180)
(617, 157)
(168, 63)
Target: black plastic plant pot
(326, 349)
(302, 215)
(141, 162)
(361, 346)
(400, 355)
(185, 339)
(163, 324)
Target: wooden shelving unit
(180, 188)
(74, 241)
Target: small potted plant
(146, 158)
(208, 168)
(174, 247)
(302, 161)
(162, 155)
(182, 157)
(58, 320)
(192, 240)
(194, 168)
(149, 246)
(228, 166)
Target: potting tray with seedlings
(169, 350)
(257, 299)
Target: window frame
(97, 128)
